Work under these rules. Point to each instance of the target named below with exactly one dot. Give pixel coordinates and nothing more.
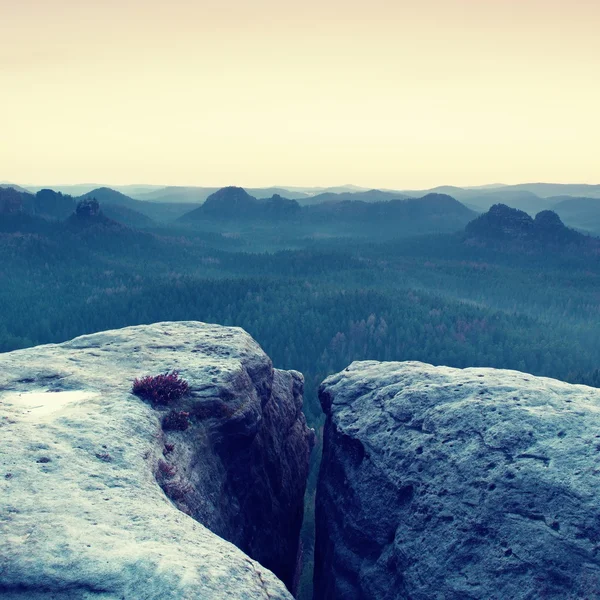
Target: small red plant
(166, 469)
(161, 389)
(176, 420)
(177, 489)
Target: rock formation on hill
(99, 498)
(88, 209)
(234, 203)
(89, 217)
(509, 225)
(457, 484)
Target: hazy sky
(393, 94)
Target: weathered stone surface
(96, 500)
(449, 484)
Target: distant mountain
(269, 192)
(81, 189)
(113, 203)
(449, 213)
(18, 188)
(313, 191)
(487, 186)
(521, 199)
(107, 195)
(450, 190)
(482, 198)
(541, 190)
(433, 213)
(234, 203)
(133, 189)
(197, 195)
(582, 213)
(77, 189)
(547, 190)
(366, 196)
(574, 203)
(177, 194)
(337, 189)
(510, 227)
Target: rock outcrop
(234, 203)
(89, 218)
(502, 222)
(514, 228)
(440, 483)
(97, 500)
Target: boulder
(99, 498)
(450, 484)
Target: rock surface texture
(98, 501)
(449, 484)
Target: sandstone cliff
(440, 483)
(97, 500)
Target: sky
(388, 94)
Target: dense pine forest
(317, 308)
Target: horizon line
(292, 187)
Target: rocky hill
(105, 495)
(510, 226)
(234, 203)
(463, 484)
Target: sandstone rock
(97, 501)
(440, 483)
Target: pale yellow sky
(381, 93)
